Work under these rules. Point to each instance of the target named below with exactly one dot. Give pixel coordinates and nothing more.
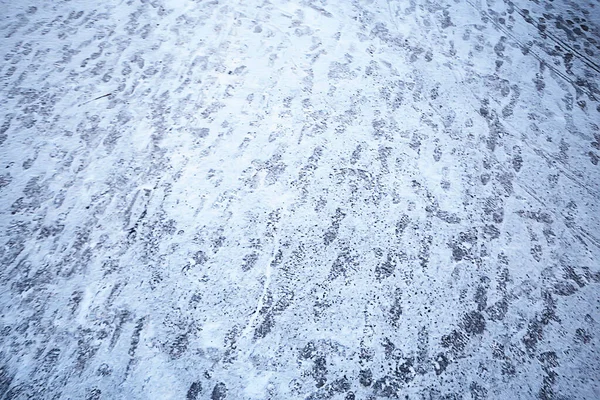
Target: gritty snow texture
(308, 199)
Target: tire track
(534, 54)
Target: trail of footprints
(427, 234)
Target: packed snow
(309, 199)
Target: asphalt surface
(299, 199)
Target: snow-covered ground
(317, 199)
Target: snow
(316, 199)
